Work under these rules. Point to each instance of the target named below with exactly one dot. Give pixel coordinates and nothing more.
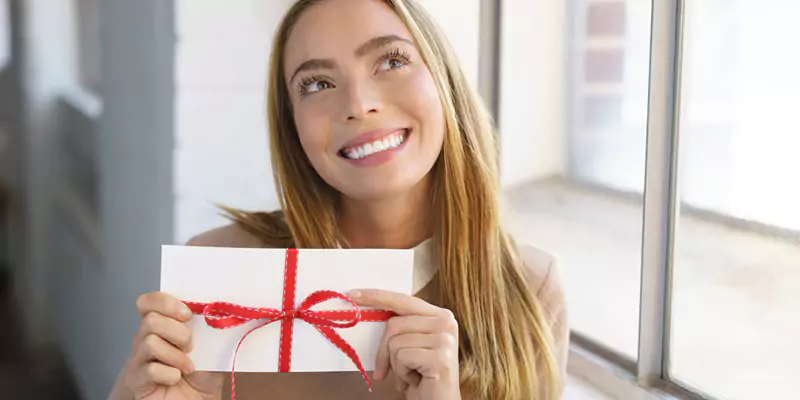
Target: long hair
(505, 344)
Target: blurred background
(123, 122)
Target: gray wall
(47, 68)
(136, 202)
(94, 247)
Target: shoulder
(544, 279)
(543, 274)
(231, 235)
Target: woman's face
(366, 107)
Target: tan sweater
(543, 277)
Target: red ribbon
(223, 315)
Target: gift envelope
(255, 278)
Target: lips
(374, 142)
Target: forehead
(336, 28)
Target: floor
(736, 294)
(579, 390)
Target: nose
(362, 100)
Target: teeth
(377, 146)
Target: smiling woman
(347, 97)
(378, 141)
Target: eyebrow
(361, 51)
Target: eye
(314, 84)
(392, 63)
(394, 59)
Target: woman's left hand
(420, 345)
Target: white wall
(460, 21)
(221, 152)
(221, 149)
(533, 79)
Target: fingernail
(190, 369)
(354, 293)
(186, 313)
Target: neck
(399, 222)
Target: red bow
(223, 315)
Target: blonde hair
(505, 344)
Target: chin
(379, 187)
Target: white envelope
(254, 277)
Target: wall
(533, 78)
(105, 255)
(136, 151)
(5, 33)
(9, 103)
(48, 66)
(221, 150)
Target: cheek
(420, 98)
(314, 133)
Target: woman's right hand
(159, 367)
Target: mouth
(379, 145)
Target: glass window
(576, 175)
(736, 287)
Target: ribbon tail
(235, 353)
(345, 347)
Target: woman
(377, 141)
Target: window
(736, 288)
(588, 211)
(662, 170)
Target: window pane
(578, 184)
(5, 34)
(736, 288)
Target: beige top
(543, 278)
(424, 265)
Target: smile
(386, 143)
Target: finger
(413, 363)
(410, 341)
(400, 326)
(164, 304)
(400, 385)
(167, 328)
(156, 373)
(402, 304)
(155, 348)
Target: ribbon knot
(222, 315)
